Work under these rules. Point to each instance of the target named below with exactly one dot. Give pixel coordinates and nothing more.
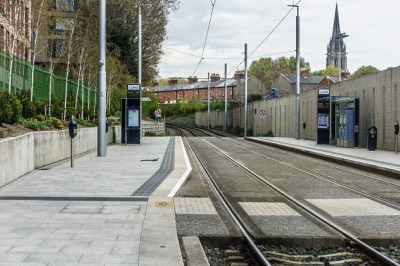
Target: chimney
(239, 75)
(172, 81)
(304, 73)
(192, 79)
(345, 74)
(214, 77)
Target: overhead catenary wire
(268, 35)
(202, 58)
(176, 50)
(205, 40)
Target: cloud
(373, 30)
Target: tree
(38, 21)
(364, 70)
(122, 33)
(267, 70)
(14, 41)
(329, 71)
(71, 28)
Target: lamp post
(340, 37)
(139, 45)
(101, 94)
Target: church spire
(332, 55)
(336, 24)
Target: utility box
(131, 115)
(372, 138)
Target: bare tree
(71, 27)
(14, 37)
(38, 18)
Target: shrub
(270, 134)
(2, 134)
(40, 118)
(34, 124)
(57, 107)
(84, 122)
(54, 123)
(29, 108)
(11, 108)
(149, 134)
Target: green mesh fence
(21, 79)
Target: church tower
(336, 43)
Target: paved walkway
(86, 214)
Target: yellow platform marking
(164, 204)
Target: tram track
(329, 178)
(362, 245)
(377, 256)
(257, 253)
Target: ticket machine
(131, 115)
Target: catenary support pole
(140, 46)
(297, 120)
(245, 91)
(140, 65)
(226, 101)
(208, 103)
(102, 103)
(297, 75)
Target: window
(65, 5)
(56, 48)
(63, 25)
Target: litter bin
(372, 138)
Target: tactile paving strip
(268, 209)
(353, 207)
(194, 206)
(167, 165)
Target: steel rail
(327, 178)
(247, 237)
(368, 249)
(333, 165)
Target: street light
(340, 37)
(102, 92)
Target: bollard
(304, 128)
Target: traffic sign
(157, 112)
(261, 113)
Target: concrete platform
(89, 214)
(380, 160)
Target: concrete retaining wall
(23, 154)
(379, 106)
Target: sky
(268, 27)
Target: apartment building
(15, 28)
(52, 43)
